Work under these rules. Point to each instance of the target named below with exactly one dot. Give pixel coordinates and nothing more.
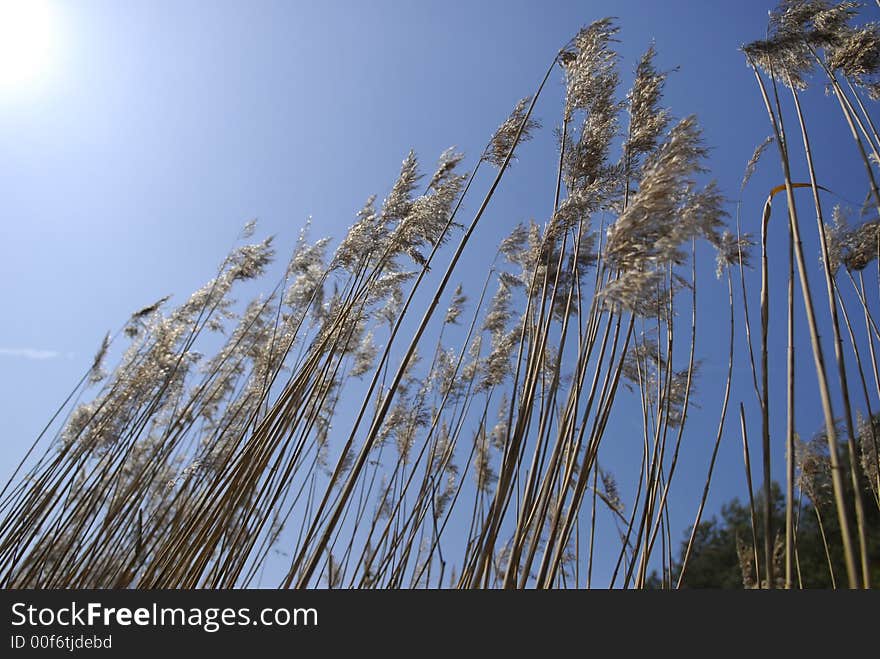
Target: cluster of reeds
(370, 424)
(816, 42)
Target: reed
(363, 425)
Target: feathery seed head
(648, 121)
(590, 65)
(399, 201)
(505, 138)
(857, 53)
(610, 491)
(250, 261)
(365, 238)
(484, 474)
(449, 160)
(863, 246)
(455, 306)
(365, 356)
(664, 213)
(97, 372)
(248, 229)
(853, 247)
(752, 165)
(732, 251)
(814, 469)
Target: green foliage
(715, 562)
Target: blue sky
(163, 126)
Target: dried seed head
(97, 372)
(505, 138)
(364, 239)
(484, 474)
(497, 364)
(836, 238)
(444, 372)
(499, 312)
(814, 469)
(648, 120)
(664, 213)
(732, 251)
(590, 65)
(498, 436)
(863, 245)
(399, 201)
(149, 309)
(365, 356)
(513, 246)
(248, 229)
(797, 29)
(611, 495)
(857, 52)
(642, 292)
(752, 165)
(308, 270)
(455, 306)
(449, 160)
(745, 555)
(785, 57)
(869, 455)
(250, 261)
(427, 221)
(591, 84)
(853, 247)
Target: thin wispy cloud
(29, 353)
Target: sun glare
(26, 42)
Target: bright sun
(26, 41)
